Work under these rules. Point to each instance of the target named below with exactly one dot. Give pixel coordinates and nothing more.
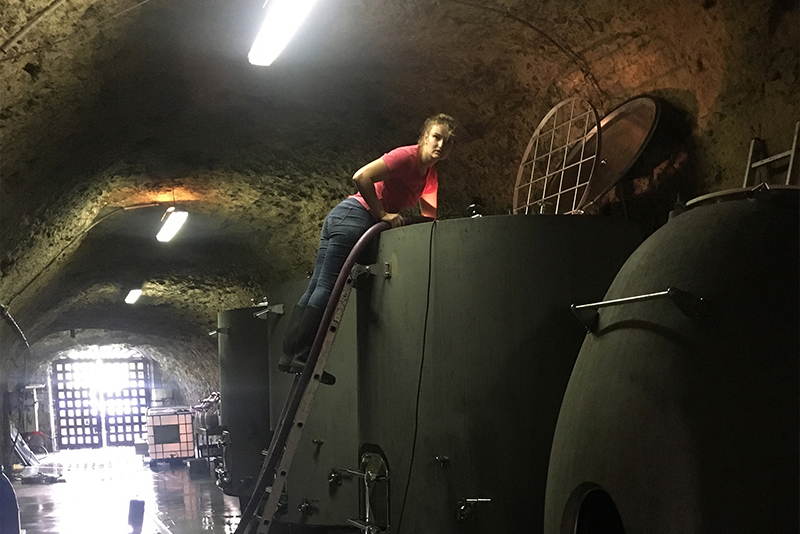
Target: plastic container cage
(169, 433)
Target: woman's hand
(365, 179)
(395, 220)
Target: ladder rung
(771, 159)
(363, 525)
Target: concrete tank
(451, 364)
(674, 423)
(464, 355)
(245, 402)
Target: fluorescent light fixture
(174, 221)
(281, 21)
(133, 296)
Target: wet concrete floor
(99, 485)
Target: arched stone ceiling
(109, 107)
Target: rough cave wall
(101, 112)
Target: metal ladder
(259, 514)
(758, 144)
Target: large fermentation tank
(687, 423)
(450, 368)
(464, 354)
(245, 401)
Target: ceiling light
(173, 220)
(281, 21)
(133, 296)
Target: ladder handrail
(792, 154)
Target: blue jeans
(342, 228)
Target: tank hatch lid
(573, 159)
(626, 132)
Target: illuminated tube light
(174, 221)
(133, 296)
(282, 20)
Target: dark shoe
(290, 338)
(299, 365)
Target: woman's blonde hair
(442, 119)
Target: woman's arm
(365, 178)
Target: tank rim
(785, 191)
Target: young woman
(397, 180)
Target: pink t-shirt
(405, 185)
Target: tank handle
(692, 306)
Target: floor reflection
(99, 486)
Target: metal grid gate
(126, 409)
(100, 402)
(77, 418)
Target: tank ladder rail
(757, 145)
(258, 516)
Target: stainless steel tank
(681, 414)
(245, 397)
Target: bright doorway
(100, 397)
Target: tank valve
(442, 460)
(467, 510)
(223, 478)
(475, 209)
(335, 477)
(307, 507)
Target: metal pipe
(13, 324)
(616, 302)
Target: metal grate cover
(559, 160)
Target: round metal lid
(626, 130)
